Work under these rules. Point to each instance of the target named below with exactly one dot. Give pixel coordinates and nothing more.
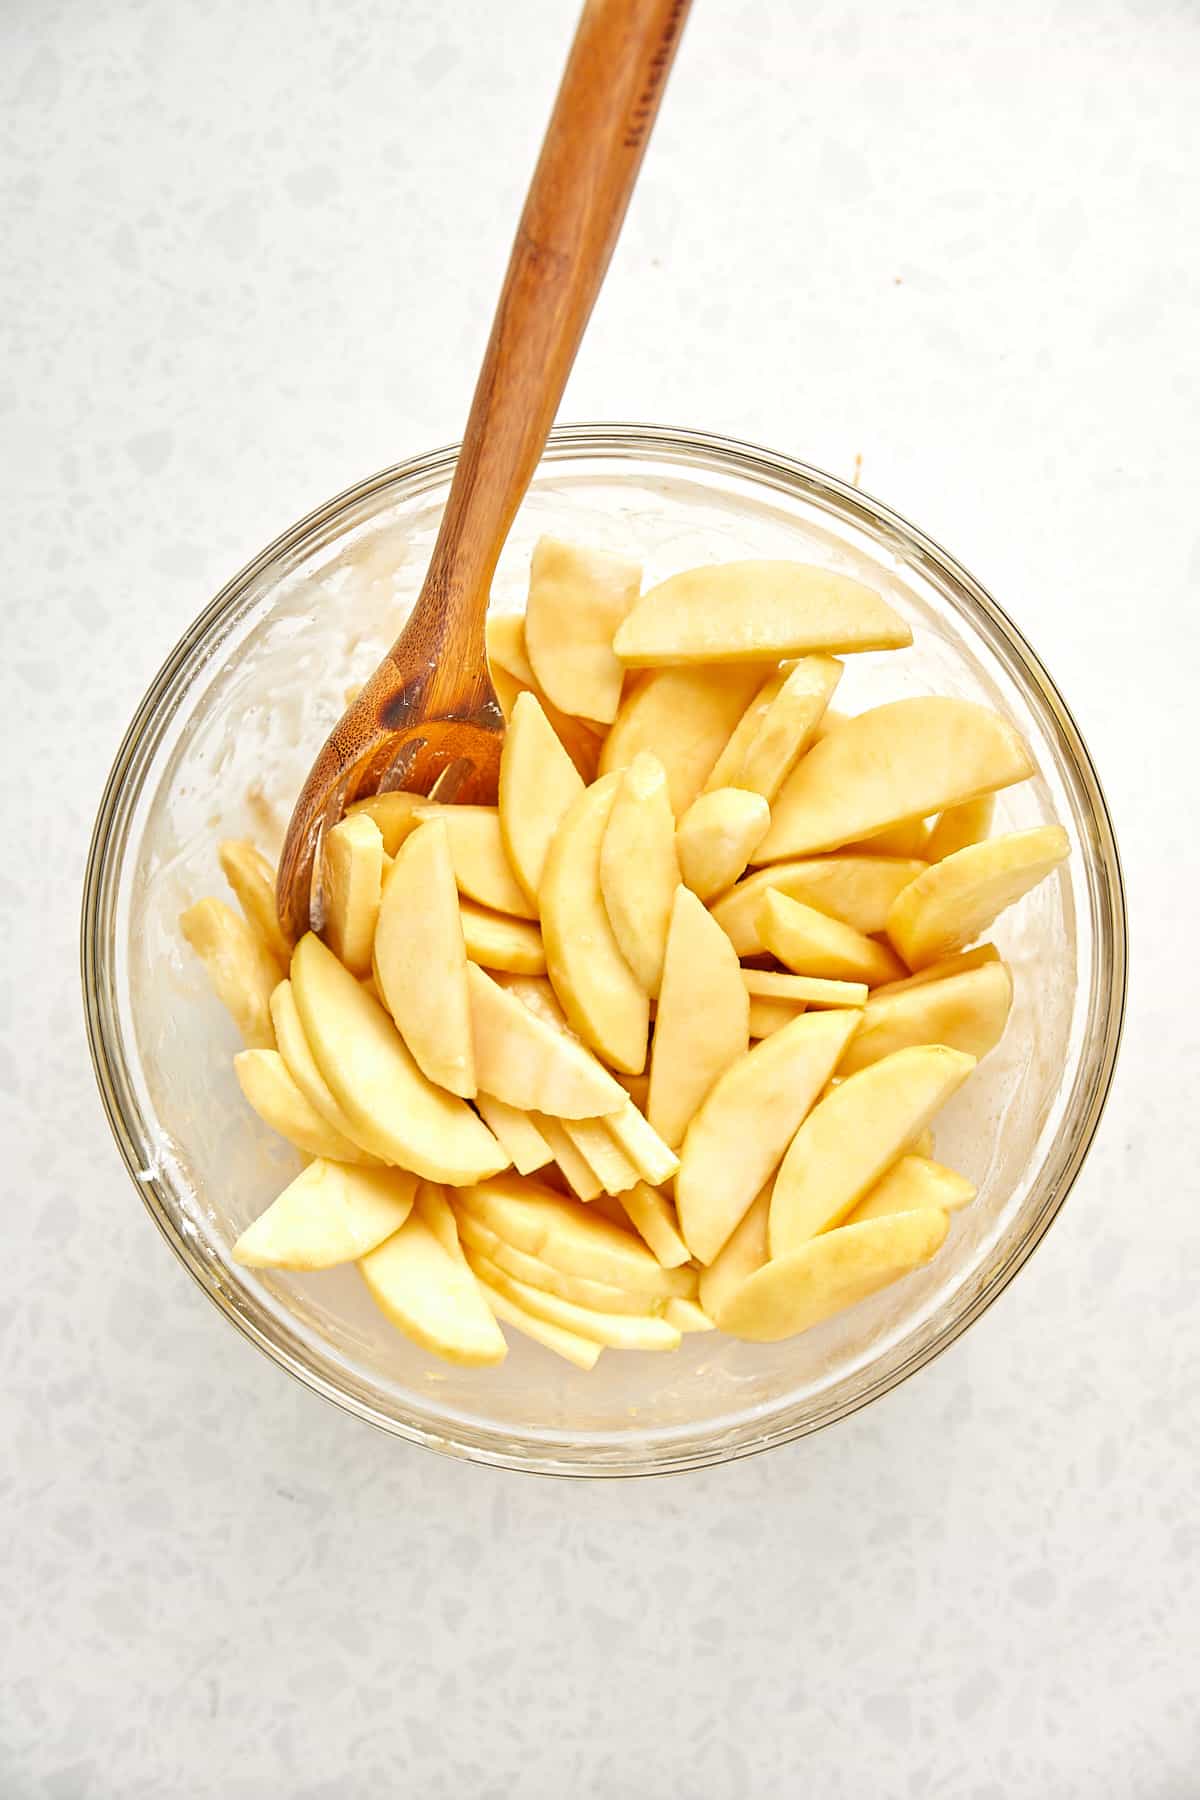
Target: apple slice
(744, 1251)
(351, 881)
(639, 870)
(908, 838)
(252, 879)
(577, 599)
(530, 1064)
(432, 1297)
(911, 1183)
(959, 826)
(264, 1080)
(900, 761)
(685, 717)
(728, 766)
(330, 1214)
(512, 675)
(793, 1292)
(755, 612)
(598, 990)
(513, 946)
(301, 1066)
(960, 964)
(855, 1134)
(788, 725)
(957, 899)
(573, 1165)
(654, 1160)
(481, 866)
(538, 783)
(394, 1109)
(717, 836)
(858, 890)
(703, 1019)
(600, 1296)
(437, 1215)
(768, 1016)
(604, 1157)
(623, 1331)
(394, 813)
(803, 990)
(744, 1126)
(516, 1134)
(654, 1219)
(242, 972)
(812, 943)
(420, 961)
(571, 1238)
(967, 1012)
(568, 1344)
(687, 1315)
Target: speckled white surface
(250, 253)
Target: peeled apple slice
(264, 1080)
(858, 890)
(601, 1296)
(330, 1214)
(530, 1064)
(495, 941)
(351, 881)
(685, 716)
(573, 1165)
(623, 1331)
(433, 1297)
(803, 990)
(512, 675)
(252, 879)
(437, 1215)
(481, 866)
(654, 1219)
(242, 971)
(768, 1016)
(717, 836)
(911, 1183)
(957, 899)
(607, 1161)
(568, 1344)
(703, 1018)
(938, 971)
(301, 1066)
(788, 725)
(538, 783)
(395, 814)
(639, 870)
(744, 1252)
(959, 826)
(571, 1238)
(577, 600)
(653, 1159)
(900, 761)
(811, 943)
(420, 959)
(729, 764)
(516, 1134)
(756, 612)
(967, 1012)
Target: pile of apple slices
(565, 1063)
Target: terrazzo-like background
(249, 255)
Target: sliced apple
(812, 943)
(242, 971)
(506, 656)
(957, 899)
(538, 783)
(959, 826)
(687, 1315)
(623, 1331)
(728, 766)
(252, 879)
(855, 1134)
(351, 881)
(803, 990)
(573, 1165)
(638, 1089)
(684, 716)
(435, 1212)
(910, 837)
(583, 1352)
(744, 1251)
(910, 1184)
(788, 725)
(717, 836)
(577, 599)
(395, 1110)
(506, 649)
(653, 1159)
(330, 1214)
(639, 870)
(960, 964)
(967, 1012)
(904, 760)
(301, 1066)
(598, 990)
(433, 1297)
(571, 1238)
(420, 960)
(858, 890)
(601, 1296)
(516, 1134)
(800, 1289)
(654, 1219)
(703, 1019)
(603, 1155)
(529, 1063)
(768, 1016)
(277, 1099)
(394, 813)
(495, 941)
(481, 866)
(755, 611)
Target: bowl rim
(717, 454)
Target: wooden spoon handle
(590, 157)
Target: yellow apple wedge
(744, 1126)
(908, 837)
(959, 964)
(481, 866)
(252, 879)
(717, 836)
(800, 1289)
(301, 1066)
(394, 1109)
(571, 1238)
(395, 814)
(756, 612)
(577, 599)
(703, 1019)
(583, 1352)
(967, 1012)
(903, 760)
(768, 1016)
(531, 1064)
(599, 992)
(437, 1215)
(432, 1296)
(803, 990)
(351, 882)
(687, 1315)
(538, 783)
(241, 970)
(516, 1134)
(330, 1214)
(603, 1155)
(653, 1159)
(277, 1099)
(811, 943)
(911, 1183)
(573, 1165)
(855, 1133)
(959, 826)
(420, 960)
(601, 1296)
(728, 766)
(494, 941)
(620, 1330)
(858, 890)
(685, 717)
(957, 899)
(744, 1251)
(639, 870)
(512, 676)
(788, 725)
(654, 1219)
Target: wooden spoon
(428, 717)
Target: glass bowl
(218, 748)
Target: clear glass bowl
(218, 747)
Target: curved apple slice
(531, 1064)
(568, 1344)
(481, 866)
(957, 899)
(394, 813)
(717, 836)
(494, 941)
(240, 968)
(910, 1184)
(639, 870)
(538, 782)
(351, 883)
(516, 1132)
(959, 826)
(577, 599)
(703, 1019)
(432, 1297)
(420, 959)
(621, 1330)
(811, 943)
(787, 725)
(252, 879)
(768, 1015)
(330, 1214)
(685, 716)
(279, 1102)
(967, 1012)
(654, 1219)
(572, 1238)
(858, 890)
(744, 1251)
(803, 990)
(900, 761)
(301, 1066)
(601, 1296)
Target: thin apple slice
(812, 943)
(330, 1214)
(788, 725)
(600, 1296)
(768, 1016)
(577, 599)
(960, 964)
(394, 813)
(433, 1297)
(803, 990)
(728, 766)
(957, 899)
(654, 1160)
(907, 838)
(904, 760)
(855, 1134)
(639, 870)
(858, 890)
(301, 1066)
(623, 1331)
(744, 1251)
(516, 1133)
(394, 1109)
(717, 836)
(959, 826)
(351, 882)
(654, 1219)
(703, 1020)
(687, 1315)
(754, 611)
(744, 1126)
(241, 970)
(800, 1289)
(568, 1344)
(603, 1155)
(967, 1012)
(435, 1212)
(598, 990)
(494, 941)
(685, 717)
(512, 675)
(252, 879)
(277, 1099)
(638, 1089)
(572, 1238)
(420, 960)
(481, 866)
(910, 1184)
(531, 1064)
(573, 1165)
(538, 783)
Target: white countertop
(250, 255)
